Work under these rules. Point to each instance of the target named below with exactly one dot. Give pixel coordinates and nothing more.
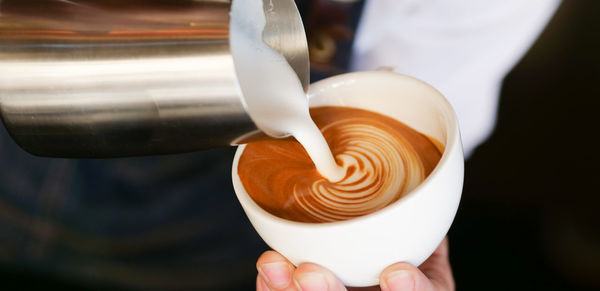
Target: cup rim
(452, 141)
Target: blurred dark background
(529, 215)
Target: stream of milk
(272, 91)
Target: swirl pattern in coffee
(383, 160)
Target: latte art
(377, 168)
(383, 160)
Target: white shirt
(464, 48)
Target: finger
(433, 275)
(275, 270)
(437, 268)
(404, 277)
(312, 277)
(261, 285)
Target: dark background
(528, 218)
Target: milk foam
(272, 91)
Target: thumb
(404, 277)
(434, 274)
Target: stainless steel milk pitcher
(86, 78)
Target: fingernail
(278, 274)
(399, 281)
(311, 282)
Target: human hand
(276, 273)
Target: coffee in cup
(383, 159)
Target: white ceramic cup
(408, 230)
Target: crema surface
(383, 159)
